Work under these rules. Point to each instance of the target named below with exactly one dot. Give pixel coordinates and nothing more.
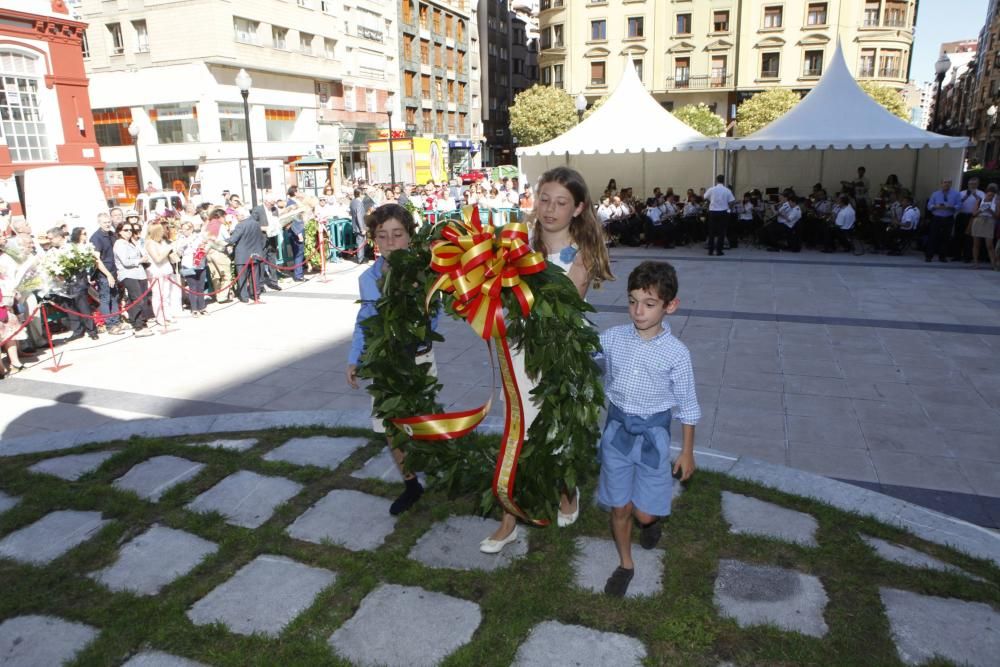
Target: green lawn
(679, 626)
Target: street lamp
(941, 68)
(243, 82)
(581, 106)
(133, 130)
(992, 113)
(392, 157)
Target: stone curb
(924, 523)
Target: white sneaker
(563, 520)
(491, 546)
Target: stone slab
(911, 557)
(764, 595)
(154, 559)
(321, 451)
(36, 641)
(7, 502)
(552, 643)
(245, 498)
(231, 445)
(72, 467)
(351, 519)
(454, 544)
(749, 516)
(404, 626)
(160, 659)
(596, 559)
(966, 633)
(381, 467)
(51, 536)
(151, 479)
(263, 597)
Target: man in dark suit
(248, 239)
(358, 212)
(295, 237)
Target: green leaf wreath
(560, 448)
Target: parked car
(474, 176)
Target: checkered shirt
(643, 377)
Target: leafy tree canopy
(701, 118)
(888, 97)
(764, 108)
(541, 113)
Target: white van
(70, 194)
(215, 176)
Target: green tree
(888, 97)
(701, 118)
(763, 108)
(541, 113)
(593, 107)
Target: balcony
(889, 73)
(702, 82)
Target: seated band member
(840, 228)
(783, 227)
(906, 228)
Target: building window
(246, 30)
(370, 101)
(769, 65)
(633, 27)
(350, 99)
(279, 124)
(889, 61)
(683, 24)
(772, 17)
(141, 37)
(597, 73)
(895, 14)
(719, 71)
(306, 43)
(813, 64)
(85, 45)
(816, 13)
(232, 125)
(682, 72)
(599, 30)
(871, 13)
(111, 126)
(720, 21)
(369, 25)
(866, 66)
(557, 76)
(546, 76)
(305, 3)
(175, 123)
(409, 79)
(557, 36)
(117, 41)
(330, 48)
(20, 113)
(637, 63)
(425, 86)
(279, 37)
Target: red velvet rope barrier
(119, 312)
(216, 292)
(27, 321)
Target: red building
(45, 115)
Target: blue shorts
(626, 479)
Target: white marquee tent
(632, 139)
(835, 129)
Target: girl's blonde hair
(155, 232)
(586, 232)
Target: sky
(943, 21)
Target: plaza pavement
(881, 371)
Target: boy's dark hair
(379, 215)
(657, 277)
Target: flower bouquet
(68, 267)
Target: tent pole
(715, 164)
(822, 155)
(916, 175)
(567, 158)
(645, 184)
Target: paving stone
(749, 516)
(51, 536)
(7, 502)
(245, 498)
(911, 557)
(321, 451)
(966, 633)
(73, 467)
(160, 659)
(154, 559)
(232, 445)
(40, 641)
(596, 559)
(404, 626)
(553, 643)
(151, 479)
(381, 466)
(454, 544)
(354, 520)
(765, 595)
(265, 595)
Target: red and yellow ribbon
(476, 266)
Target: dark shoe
(77, 335)
(243, 299)
(274, 286)
(720, 254)
(299, 280)
(143, 333)
(617, 584)
(649, 534)
(93, 335)
(411, 494)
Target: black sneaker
(410, 495)
(617, 584)
(649, 534)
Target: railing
(812, 71)
(700, 82)
(889, 72)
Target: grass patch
(679, 626)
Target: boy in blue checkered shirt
(648, 374)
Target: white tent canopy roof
(630, 121)
(837, 113)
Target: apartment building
(322, 72)
(440, 69)
(720, 52)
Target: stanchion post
(56, 366)
(322, 252)
(253, 279)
